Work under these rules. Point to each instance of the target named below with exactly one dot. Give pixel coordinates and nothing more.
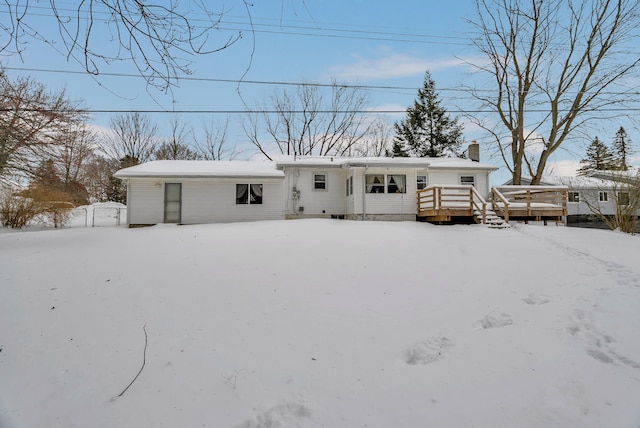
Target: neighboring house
(597, 194)
(353, 188)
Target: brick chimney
(474, 151)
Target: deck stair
(491, 219)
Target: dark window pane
(242, 193)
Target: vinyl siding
(203, 200)
(382, 203)
(315, 202)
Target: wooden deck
(446, 203)
(441, 203)
(530, 202)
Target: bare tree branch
(305, 123)
(558, 56)
(159, 39)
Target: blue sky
(378, 43)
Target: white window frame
(370, 186)
(402, 187)
(461, 177)
(349, 185)
(424, 183)
(324, 182)
(251, 193)
(603, 196)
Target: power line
(287, 83)
(317, 31)
(249, 111)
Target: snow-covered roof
(185, 168)
(579, 182)
(347, 162)
(630, 177)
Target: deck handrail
(534, 198)
(443, 197)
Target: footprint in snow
(281, 416)
(493, 321)
(536, 300)
(426, 352)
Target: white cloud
(563, 168)
(391, 65)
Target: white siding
(210, 200)
(383, 203)
(452, 177)
(145, 201)
(331, 201)
(590, 197)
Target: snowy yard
(318, 323)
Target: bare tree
(378, 140)
(309, 122)
(175, 147)
(555, 65)
(31, 119)
(215, 145)
(98, 177)
(75, 148)
(157, 38)
(133, 137)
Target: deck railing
(450, 200)
(529, 201)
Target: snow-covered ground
(317, 323)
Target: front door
(172, 202)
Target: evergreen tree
(598, 158)
(427, 130)
(621, 149)
(117, 188)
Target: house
(604, 193)
(191, 192)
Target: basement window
(248, 194)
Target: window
(421, 182)
(573, 196)
(250, 194)
(603, 196)
(396, 183)
(623, 198)
(468, 179)
(349, 186)
(320, 181)
(374, 183)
